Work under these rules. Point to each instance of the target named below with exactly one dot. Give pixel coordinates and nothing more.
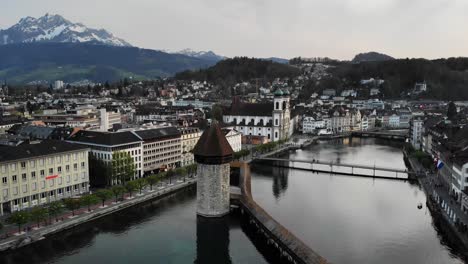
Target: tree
(141, 184)
(19, 218)
(38, 214)
(152, 180)
(192, 169)
(103, 195)
(131, 186)
(117, 191)
(162, 175)
(89, 200)
(452, 111)
(100, 172)
(169, 174)
(55, 208)
(217, 112)
(182, 172)
(72, 204)
(123, 167)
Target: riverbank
(446, 212)
(82, 217)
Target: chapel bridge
(341, 168)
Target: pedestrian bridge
(382, 134)
(342, 168)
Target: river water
(164, 231)
(349, 219)
(346, 219)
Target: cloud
(264, 28)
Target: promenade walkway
(436, 189)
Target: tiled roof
(105, 138)
(47, 147)
(249, 109)
(213, 147)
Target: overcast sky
(264, 28)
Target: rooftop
(47, 147)
(105, 138)
(213, 147)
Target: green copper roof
(278, 92)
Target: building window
(67, 167)
(42, 173)
(276, 122)
(75, 166)
(23, 165)
(4, 180)
(51, 171)
(276, 134)
(14, 178)
(277, 105)
(33, 175)
(24, 177)
(33, 186)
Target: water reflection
(212, 240)
(351, 219)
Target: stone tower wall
(213, 190)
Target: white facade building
(234, 138)
(416, 132)
(271, 120)
(36, 174)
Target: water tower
(213, 154)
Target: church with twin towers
(271, 120)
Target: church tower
(213, 153)
(281, 115)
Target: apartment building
(189, 138)
(36, 174)
(162, 148)
(104, 144)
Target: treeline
(240, 69)
(446, 78)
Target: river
(349, 219)
(163, 231)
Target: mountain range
(52, 48)
(54, 28)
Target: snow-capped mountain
(207, 55)
(55, 28)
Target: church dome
(285, 92)
(278, 92)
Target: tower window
(277, 105)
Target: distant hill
(446, 78)
(371, 56)
(278, 60)
(241, 69)
(55, 28)
(26, 62)
(205, 55)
